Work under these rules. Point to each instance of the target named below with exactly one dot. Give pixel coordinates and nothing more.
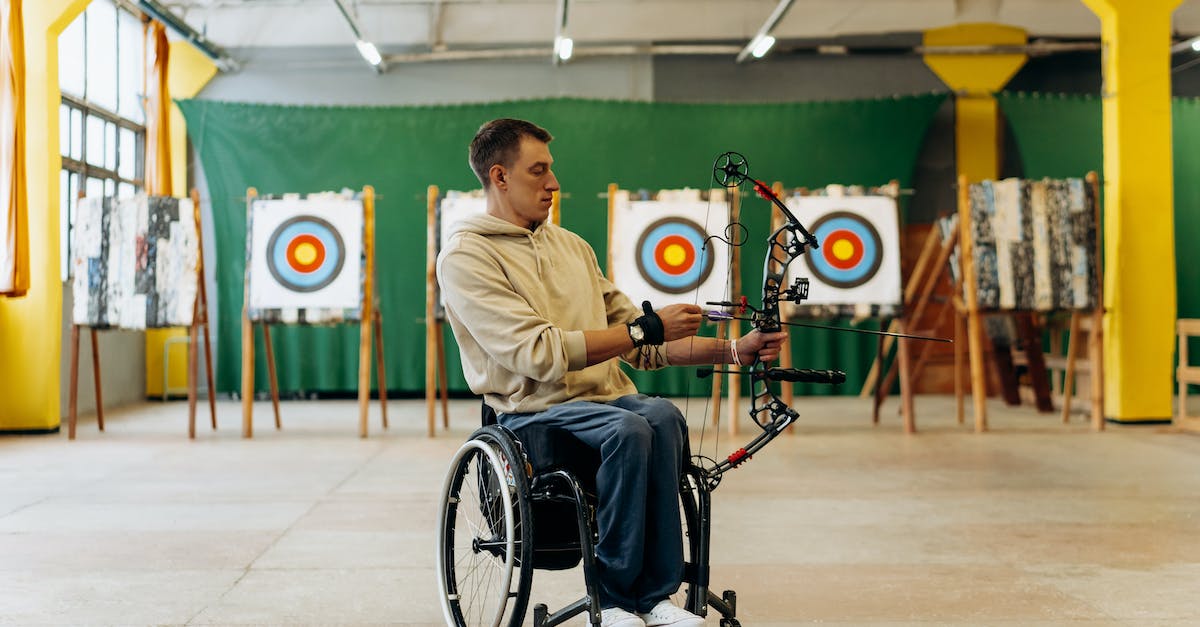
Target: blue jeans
(641, 442)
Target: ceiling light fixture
(762, 42)
(762, 45)
(369, 52)
(365, 47)
(564, 46)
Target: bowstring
(731, 239)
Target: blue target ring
(851, 250)
(307, 228)
(674, 255)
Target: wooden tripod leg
(208, 376)
(193, 356)
(1031, 343)
(379, 371)
(722, 330)
(73, 404)
(444, 385)
(960, 340)
(208, 363)
(880, 390)
(271, 373)
(96, 379)
(1068, 387)
(1096, 357)
(906, 391)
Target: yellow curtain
(14, 206)
(158, 111)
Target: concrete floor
(1035, 523)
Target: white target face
(662, 251)
(306, 254)
(858, 261)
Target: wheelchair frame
(512, 545)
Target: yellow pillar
(974, 79)
(187, 73)
(29, 326)
(1139, 222)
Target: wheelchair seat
(549, 448)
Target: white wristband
(733, 352)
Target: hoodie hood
(488, 225)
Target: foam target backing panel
(135, 262)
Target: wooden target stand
(969, 323)
(370, 323)
(898, 324)
(727, 330)
(437, 385)
(199, 319)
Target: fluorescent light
(369, 52)
(763, 45)
(1196, 44)
(565, 47)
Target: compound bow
(785, 244)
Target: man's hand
(765, 346)
(679, 321)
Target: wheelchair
(515, 502)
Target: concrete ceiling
(414, 25)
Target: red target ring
(305, 253)
(842, 249)
(674, 254)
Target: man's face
(529, 184)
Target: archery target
(850, 253)
(858, 261)
(674, 255)
(662, 252)
(306, 253)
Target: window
(101, 118)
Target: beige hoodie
(519, 301)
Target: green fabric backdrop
(402, 150)
(1060, 136)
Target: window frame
(81, 170)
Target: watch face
(635, 332)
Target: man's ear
(497, 175)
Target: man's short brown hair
(499, 141)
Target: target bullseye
(673, 255)
(305, 253)
(851, 250)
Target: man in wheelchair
(539, 326)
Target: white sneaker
(667, 613)
(617, 617)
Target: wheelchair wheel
(485, 534)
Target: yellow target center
(674, 255)
(843, 249)
(306, 254)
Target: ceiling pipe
(365, 48)
(762, 41)
(219, 57)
